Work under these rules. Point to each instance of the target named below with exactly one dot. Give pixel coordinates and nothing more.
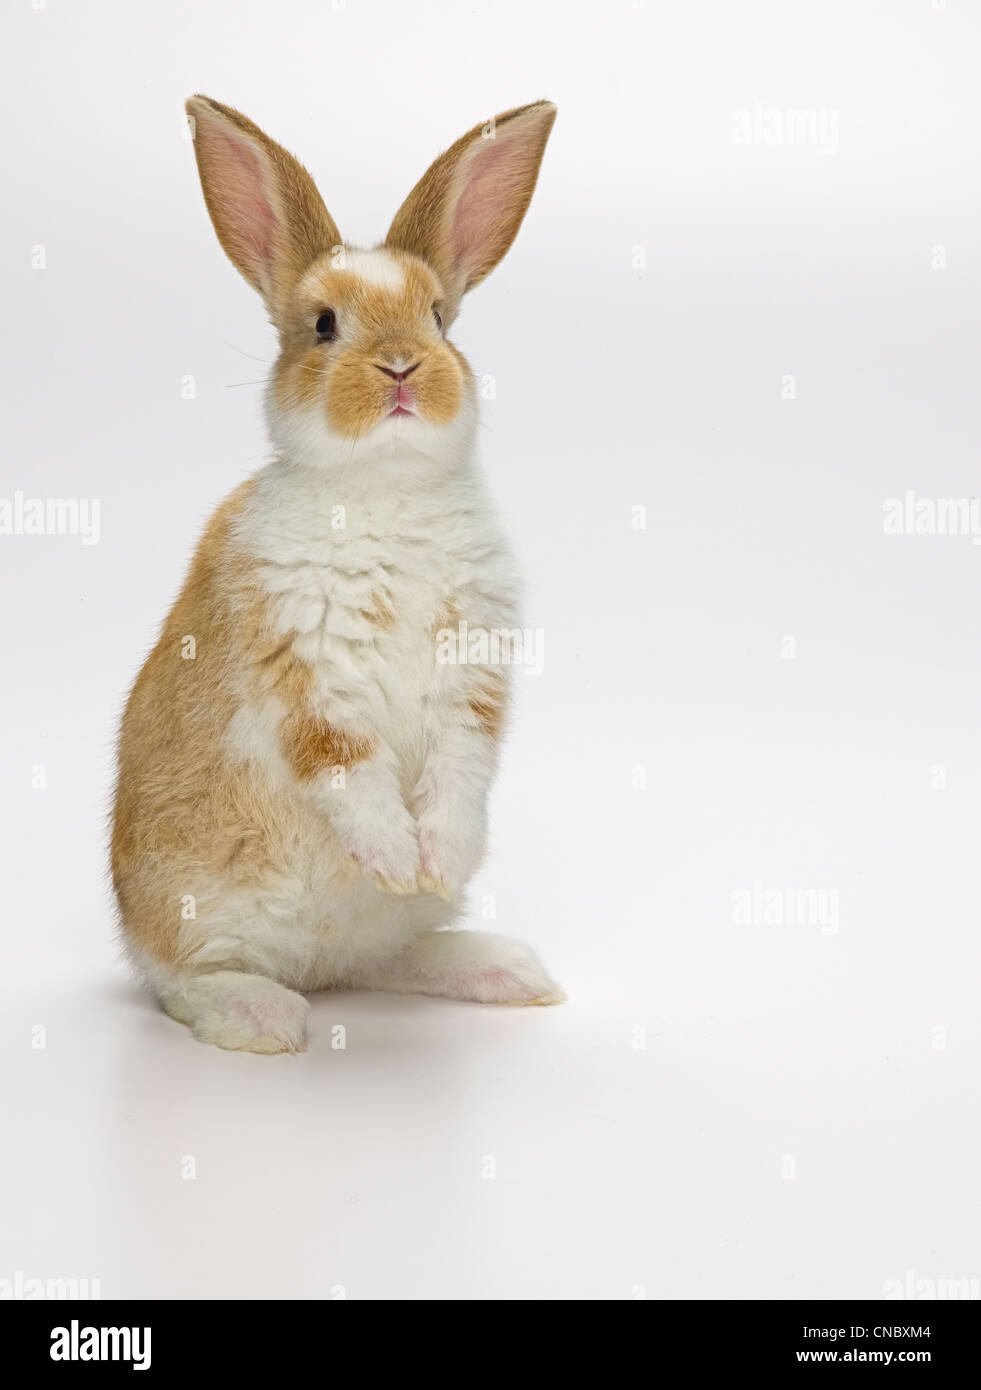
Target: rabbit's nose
(395, 373)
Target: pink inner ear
(496, 182)
(247, 213)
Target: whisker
(265, 361)
(230, 384)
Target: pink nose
(397, 376)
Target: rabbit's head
(365, 366)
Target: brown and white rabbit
(302, 783)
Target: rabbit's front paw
(447, 858)
(390, 858)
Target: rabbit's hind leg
(232, 1009)
(227, 972)
(471, 965)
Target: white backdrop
(739, 810)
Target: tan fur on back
(185, 812)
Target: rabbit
(302, 782)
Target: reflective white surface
(720, 1109)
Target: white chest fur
(363, 569)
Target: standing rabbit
(302, 792)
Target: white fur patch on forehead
(378, 268)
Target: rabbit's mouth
(403, 400)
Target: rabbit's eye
(327, 326)
(438, 317)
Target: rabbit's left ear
(264, 205)
(465, 211)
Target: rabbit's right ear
(465, 211)
(265, 207)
